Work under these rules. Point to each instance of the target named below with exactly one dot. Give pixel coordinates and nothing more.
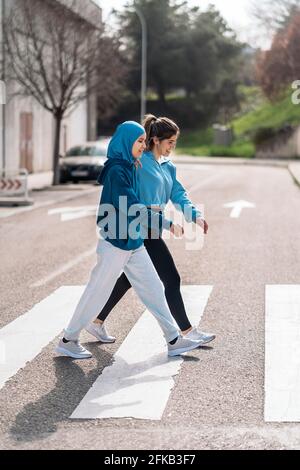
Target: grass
(241, 149)
(273, 115)
(200, 143)
(257, 113)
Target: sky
(236, 12)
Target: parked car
(83, 162)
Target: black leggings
(166, 269)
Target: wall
(281, 146)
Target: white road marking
(237, 208)
(72, 213)
(6, 212)
(2, 353)
(139, 382)
(282, 359)
(66, 267)
(24, 338)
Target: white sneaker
(100, 332)
(197, 335)
(182, 345)
(73, 349)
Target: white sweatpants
(143, 277)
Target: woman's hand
(203, 224)
(177, 230)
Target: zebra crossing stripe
(282, 359)
(139, 382)
(24, 338)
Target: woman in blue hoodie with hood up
(122, 220)
(157, 184)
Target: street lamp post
(143, 22)
(144, 61)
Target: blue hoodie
(157, 184)
(124, 222)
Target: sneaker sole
(67, 353)
(106, 341)
(178, 352)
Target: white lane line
(24, 338)
(9, 213)
(139, 382)
(63, 269)
(4, 213)
(74, 213)
(282, 359)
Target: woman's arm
(180, 199)
(121, 186)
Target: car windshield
(84, 151)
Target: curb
(294, 169)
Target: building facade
(27, 129)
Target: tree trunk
(58, 120)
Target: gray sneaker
(73, 349)
(197, 335)
(100, 332)
(182, 345)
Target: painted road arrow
(237, 207)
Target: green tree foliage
(211, 64)
(189, 51)
(163, 44)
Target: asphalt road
(218, 398)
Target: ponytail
(149, 123)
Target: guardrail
(14, 188)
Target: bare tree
(278, 67)
(274, 15)
(59, 57)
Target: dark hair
(162, 128)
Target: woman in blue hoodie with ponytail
(157, 184)
(122, 220)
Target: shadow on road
(40, 418)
